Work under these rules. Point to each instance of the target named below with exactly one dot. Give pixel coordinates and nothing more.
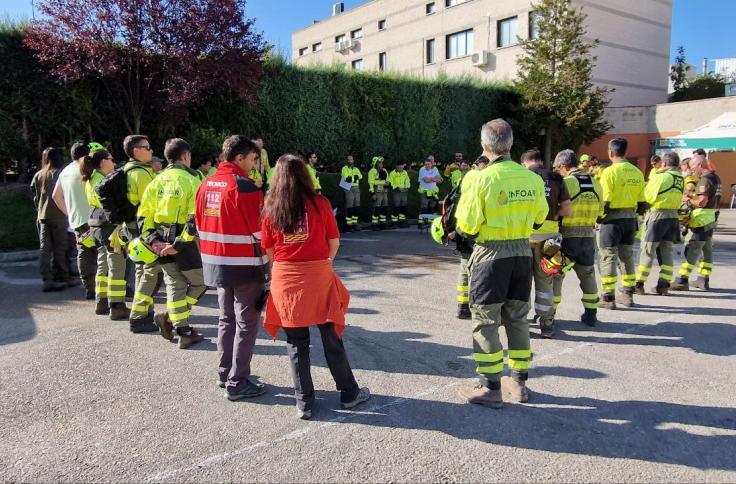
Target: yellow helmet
(438, 231)
(140, 253)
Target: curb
(19, 256)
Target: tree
(153, 58)
(702, 87)
(555, 74)
(678, 74)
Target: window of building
(382, 25)
(459, 44)
(356, 34)
(317, 47)
(534, 19)
(430, 51)
(303, 51)
(508, 30)
(358, 65)
(431, 8)
(382, 61)
(452, 3)
(341, 38)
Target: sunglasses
(147, 148)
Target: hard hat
(552, 246)
(550, 266)
(584, 158)
(377, 159)
(438, 231)
(141, 253)
(93, 146)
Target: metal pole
(33, 9)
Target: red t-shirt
(309, 242)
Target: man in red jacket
(229, 222)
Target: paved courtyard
(648, 395)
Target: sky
(704, 27)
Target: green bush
(18, 224)
(337, 112)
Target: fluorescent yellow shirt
(89, 189)
(623, 186)
(169, 199)
(504, 202)
(138, 180)
(664, 190)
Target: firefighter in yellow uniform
(504, 204)
(663, 193)
(110, 279)
(378, 188)
(578, 232)
(351, 175)
(167, 211)
(139, 175)
(312, 160)
(400, 184)
(623, 201)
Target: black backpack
(449, 207)
(113, 193)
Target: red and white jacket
(228, 220)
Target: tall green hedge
(336, 112)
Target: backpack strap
(585, 182)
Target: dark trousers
(53, 262)
(297, 344)
(86, 260)
(237, 331)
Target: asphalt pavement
(648, 395)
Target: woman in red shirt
(300, 236)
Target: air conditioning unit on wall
(481, 58)
(347, 45)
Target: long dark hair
(92, 162)
(290, 191)
(51, 158)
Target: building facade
(479, 38)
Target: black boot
(463, 311)
(702, 283)
(589, 317)
(639, 288)
(144, 324)
(682, 284)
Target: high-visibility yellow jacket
(623, 186)
(399, 180)
(313, 175)
(351, 175)
(170, 199)
(455, 177)
(138, 180)
(664, 189)
(504, 202)
(89, 189)
(586, 196)
(377, 180)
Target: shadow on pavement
(702, 437)
(706, 338)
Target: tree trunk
(548, 146)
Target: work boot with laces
(682, 284)
(589, 317)
(102, 307)
(165, 326)
(662, 288)
(463, 312)
(119, 312)
(639, 289)
(513, 390)
(702, 283)
(625, 299)
(608, 301)
(188, 337)
(482, 395)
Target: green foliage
(678, 76)
(18, 224)
(702, 87)
(555, 78)
(336, 112)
